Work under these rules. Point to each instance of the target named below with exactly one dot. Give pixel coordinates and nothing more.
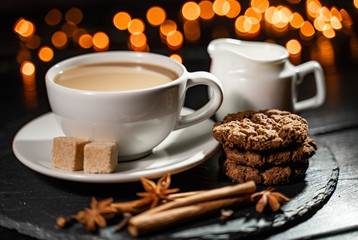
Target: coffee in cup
(114, 76)
(138, 117)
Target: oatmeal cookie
(261, 131)
(272, 158)
(276, 175)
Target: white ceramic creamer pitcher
(258, 75)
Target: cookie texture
(261, 131)
(275, 175)
(286, 156)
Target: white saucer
(181, 150)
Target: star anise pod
(155, 193)
(97, 215)
(274, 199)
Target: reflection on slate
(34, 202)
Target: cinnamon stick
(202, 196)
(144, 223)
(130, 206)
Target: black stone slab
(31, 202)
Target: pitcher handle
(205, 112)
(317, 100)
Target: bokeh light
(69, 28)
(136, 25)
(121, 20)
(176, 57)
(138, 41)
(45, 54)
(156, 15)
(206, 10)
(252, 13)
(192, 31)
(53, 17)
(260, 5)
(296, 21)
(33, 42)
(27, 68)
(24, 28)
(77, 33)
(190, 11)
(166, 27)
(175, 40)
(85, 41)
(313, 8)
(59, 39)
(307, 31)
(100, 41)
(74, 15)
(294, 47)
(221, 7)
(247, 26)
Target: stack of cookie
(269, 147)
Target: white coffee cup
(137, 120)
(258, 75)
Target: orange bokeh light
(167, 26)
(269, 14)
(121, 20)
(85, 41)
(293, 47)
(313, 8)
(192, 31)
(136, 25)
(234, 9)
(176, 57)
(247, 26)
(69, 28)
(281, 17)
(206, 10)
(328, 31)
(335, 23)
(59, 39)
(307, 31)
(260, 5)
(252, 13)
(346, 18)
(33, 42)
(78, 33)
(53, 17)
(74, 15)
(45, 53)
(221, 7)
(27, 68)
(190, 11)
(296, 21)
(24, 28)
(175, 40)
(138, 41)
(100, 41)
(156, 15)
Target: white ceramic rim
(284, 53)
(116, 56)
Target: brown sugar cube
(67, 153)
(100, 157)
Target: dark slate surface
(31, 202)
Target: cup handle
(317, 100)
(209, 109)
